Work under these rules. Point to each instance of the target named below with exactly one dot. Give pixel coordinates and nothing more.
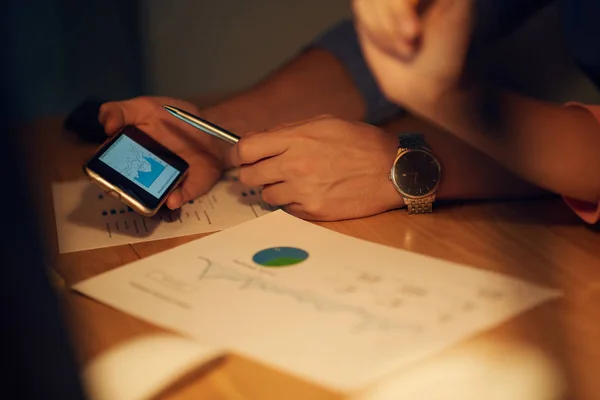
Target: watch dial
(417, 173)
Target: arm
(313, 83)
(330, 76)
(468, 173)
(324, 79)
(552, 146)
(318, 83)
(331, 169)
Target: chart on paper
(330, 308)
(86, 218)
(338, 301)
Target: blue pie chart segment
(280, 257)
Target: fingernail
(409, 28)
(173, 203)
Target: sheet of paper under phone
(86, 218)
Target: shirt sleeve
(342, 42)
(587, 211)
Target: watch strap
(412, 140)
(419, 206)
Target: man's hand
(321, 169)
(202, 152)
(415, 48)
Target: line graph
(367, 320)
(141, 166)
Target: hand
(204, 156)
(416, 49)
(321, 169)
(391, 25)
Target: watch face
(417, 173)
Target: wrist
(430, 99)
(388, 197)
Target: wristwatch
(416, 173)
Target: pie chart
(280, 256)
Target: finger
(111, 117)
(191, 189)
(449, 24)
(405, 20)
(387, 42)
(264, 172)
(392, 27)
(114, 115)
(402, 21)
(255, 147)
(177, 198)
(368, 20)
(185, 193)
(278, 194)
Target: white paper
(144, 366)
(484, 370)
(349, 314)
(86, 218)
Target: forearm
(314, 83)
(552, 146)
(467, 173)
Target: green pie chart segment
(280, 256)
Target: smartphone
(136, 169)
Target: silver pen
(203, 125)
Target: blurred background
(64, 50)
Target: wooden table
(540, 241)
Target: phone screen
(140, 166)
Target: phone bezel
(127, 188)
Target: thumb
(114, 115)
(177, 198)
(111, 116)
(193, 187)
